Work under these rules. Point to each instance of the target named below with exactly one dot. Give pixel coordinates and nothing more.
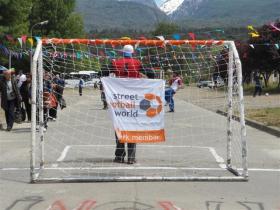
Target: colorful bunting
(125, 38)
(37, 38)
(220, 30)
(253, 32)
(31, 41)
(10, 38)
(142, 38)
(23, 38)
(20, 42)
(192, 35)
(176, 36)
(160, 38)
(254, 35)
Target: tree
(260, 54)
(264, 54)
(18, 17)
(165, 28)
(62, 21)
(14, 16)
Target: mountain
(150, 3)
(222, 12)
(170, 6)
(140, 15)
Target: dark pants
(103, 99)
(10, 113)
(53, 112)
(80, 90)
(46, 113)
(258, 90)
(27, 108)
(169, 92)
(120, 150)
(59, 98)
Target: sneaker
(171, 111)
(118, 160)
(8, 129)
(44, 129)
(131, 161)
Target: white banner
(136, 107)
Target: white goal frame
(37, 106)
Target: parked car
(204, 83)
(219, 82)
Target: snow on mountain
(170, 6)
(150, 3)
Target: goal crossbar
(146, 42)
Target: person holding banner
(125, 67)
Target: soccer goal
(205, 138)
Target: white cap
(128, 49)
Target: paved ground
(261, 192)
(204, 97)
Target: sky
(159, 2)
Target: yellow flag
(250, 27)
(126, 38)
(254, 34)
(31, 41)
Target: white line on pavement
(140, 168)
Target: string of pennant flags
(81, 55)
(24, 39)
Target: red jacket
(127, 67)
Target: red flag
(10, 38)
(23, 38)
(192, 35)
(142, 38)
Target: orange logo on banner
(145, 104)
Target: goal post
(205, 137)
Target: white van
(72, 80)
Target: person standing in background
(25, 90)
(175, 83)
(2, 70)
(81, 85)
(21, 78)
(258, 86)
(10, 97)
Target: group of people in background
(53, 88)
(15, 90)
(15, 96)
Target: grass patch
(271, 89)
(267, 116)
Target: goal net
(73, 138)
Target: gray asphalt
(190, 131)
